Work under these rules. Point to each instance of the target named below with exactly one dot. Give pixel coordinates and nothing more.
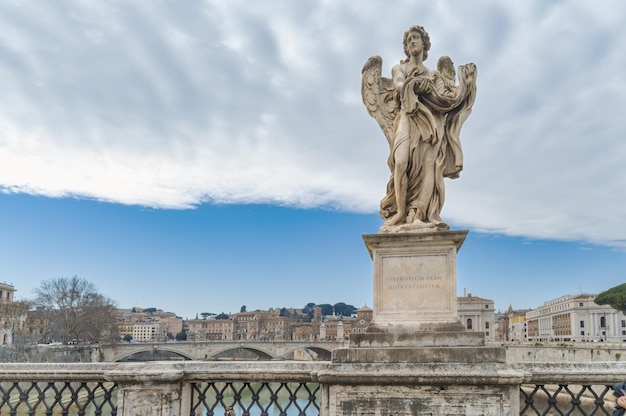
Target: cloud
(172, 105)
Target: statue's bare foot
(399, 218)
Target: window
(623, 332)
(582, 333)
(582, 324)
(623, 323)
(469, 323)
(486, 306)
(602, 322)
(580, 304)
(486, 325)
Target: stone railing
(160, 388)
(272, 388)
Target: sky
(197, 156)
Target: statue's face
(414, 43)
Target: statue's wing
(379, 96)
(456, 118)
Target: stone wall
(515, 353)
(49, 354)
(582, 352)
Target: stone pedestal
(417, 358)
(154, 390)
(415, 281)
(412, 399)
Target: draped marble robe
(430, 119)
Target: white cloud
(175, 104)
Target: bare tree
(76, 310)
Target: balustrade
(256, 388)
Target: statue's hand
(421, 85)
(468, 71)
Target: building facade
(576, 318)
(210, 329)
(143, 332)
(364, 316)
(477, 314)
(148, 326)
(9, 317)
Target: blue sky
(201, 155)
(216, 258)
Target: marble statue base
(416, 357)
(415, 281)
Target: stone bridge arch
(215, 350)
(154, 354)
(240, 352)
(311, 352)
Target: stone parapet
(417, 339)
(437, 355)
(443, 374)
(165, 388)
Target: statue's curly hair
(425, 40)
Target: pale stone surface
(345, 388)
(417, 389)
(415, 280)
(157, 400)
(420, 400)
(417, 339)
(421, 112)
(395, 354)
(578, 352)
(413, 228)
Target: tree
(343, 309)
(283, 312)
(150, 310)
(614, 297)
(205, 315)
(181, 336)
(309, 309)
(222, 316)
(76, 310)
(327, 309)
(338, 308)
(243, 308)
(128, 338)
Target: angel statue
(421, 112)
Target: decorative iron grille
(64, 398)
(564, 399)
(255, 399)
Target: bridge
(531, 379)
(219, 350)
(305, 388)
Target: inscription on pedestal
(414, 282)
